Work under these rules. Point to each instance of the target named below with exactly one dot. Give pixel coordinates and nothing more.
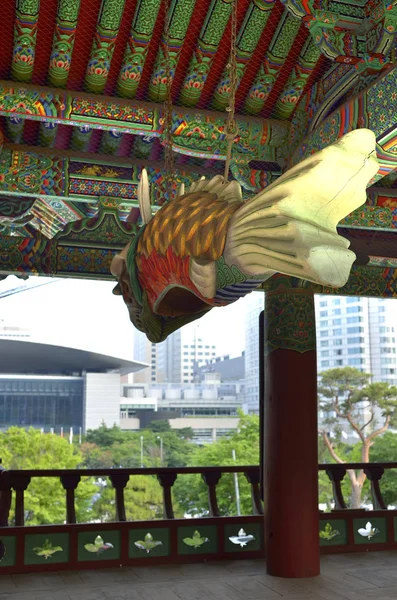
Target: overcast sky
(84, 314)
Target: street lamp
(141, 451)
(161, 448)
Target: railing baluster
(70, 483)
(336, 475)
(167, 480)
(20, 484)
(5, 497)
(254, 479)
(212, 478)
(119, 481)
(374, 474)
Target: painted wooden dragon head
(207, 247)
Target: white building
(357, 332)
(145, 351)
(174, 360)
(351, 331)
(255, 304)
(209, 408)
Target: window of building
(388, 371)
(324, 343)
(351, 320)
(385, 340)
(335, 301)
(355, 361)
(323, 303)
(339, 363)
(337, 352)
(325, 363)
(355, 350)
(325, 353)
(336, 321)
(381, 308)
(351, 299)
(323, 333)
(355, 330)
(387, 361)
(323, 313)
(337, 332)
(353, 309)
(382, 319)
(355, 340)
(338, 342)
(336, 311)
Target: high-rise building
(351, 331)
(145, 351)
(175, 359)
(255, 304)
(357, 332)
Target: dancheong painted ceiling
(83, 91)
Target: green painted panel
(333, 532)
(246, 537)
(8, 549)
(99, 545)
(198, 539)
(148, 543)
(370, 531)
(43, 548)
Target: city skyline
(84, 314)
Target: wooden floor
(351, 576)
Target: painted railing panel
(75, 546)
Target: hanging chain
(167, 112)
(231, 125)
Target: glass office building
(41, 401)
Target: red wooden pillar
(290, 433)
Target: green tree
(346, 396)
(159, 426)
(105, 436)
(45, 499)
(95, 457)
(186, 433)
(191, 492)
(143, 500)
(385, 450)
(110, 447)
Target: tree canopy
(368, 410)
(190, 490)
(45, 499)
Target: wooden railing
(212, 537)
(18, 481)
(374, 473)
